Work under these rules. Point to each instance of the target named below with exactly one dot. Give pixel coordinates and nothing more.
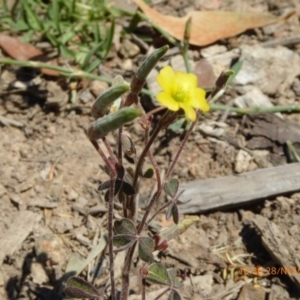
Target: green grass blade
(93, 65)
(31, 17)
(236, 69)
(88, 57)
(108, 39)
(56, 15)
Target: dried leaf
(175, 230)
(21, 51)
(208, 26)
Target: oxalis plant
(113, 109)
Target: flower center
(180, 96)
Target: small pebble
(98, 87)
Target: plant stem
(129, 255)
(110, 237)
(107, 162)
(125, 273)
(158, 211)
(257, 110)
(110, 151)
(143, 289)
(154, 198)
(153, 162)
(139, 164)
(67, 72)
(162, 293)
(175, 160)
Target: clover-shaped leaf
(174, 295)
(172, 276)
(148, 172)
(146, 247)
(119, 185)
(79, 288)
(124, 226)
(158, 273)
(173, 211)
(171, 187)
(125, 234)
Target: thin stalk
(110, 151)
(119, 153)
(256, 110)
(154, 198)
(110, 237)
(63, 71)
(184, 46)
(132, 205)
(107, 162)
(128, 258)
(175, 160)
(153, 162)
(293, 150)
(158, 211)
(162, 293)
(125, 273)
(143, 289)
(141, 160)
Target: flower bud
(146, 67)
(107, 98)
(111, 122)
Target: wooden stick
(242, 189)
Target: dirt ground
(49, 172)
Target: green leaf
(157, 273)
(171, 187)
(21, 25)
(173, 211)
(150, 62)
(236, 69)
(107, 98)
(176, 126)
(172, 276)
(108, 39)
(79, 288)
(101, 127)
(174, 295)
(149, 172)
(121, 240)
(93, 65)
(68, 35)
(31, 17)
(146, 247)
(88, 57)
(56, 15)
(124, 226)
(175, 214)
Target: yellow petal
(166, 100)
(189, 112)
(186, 81)
(166, 78)
(198, 99)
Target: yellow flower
(180, 90)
